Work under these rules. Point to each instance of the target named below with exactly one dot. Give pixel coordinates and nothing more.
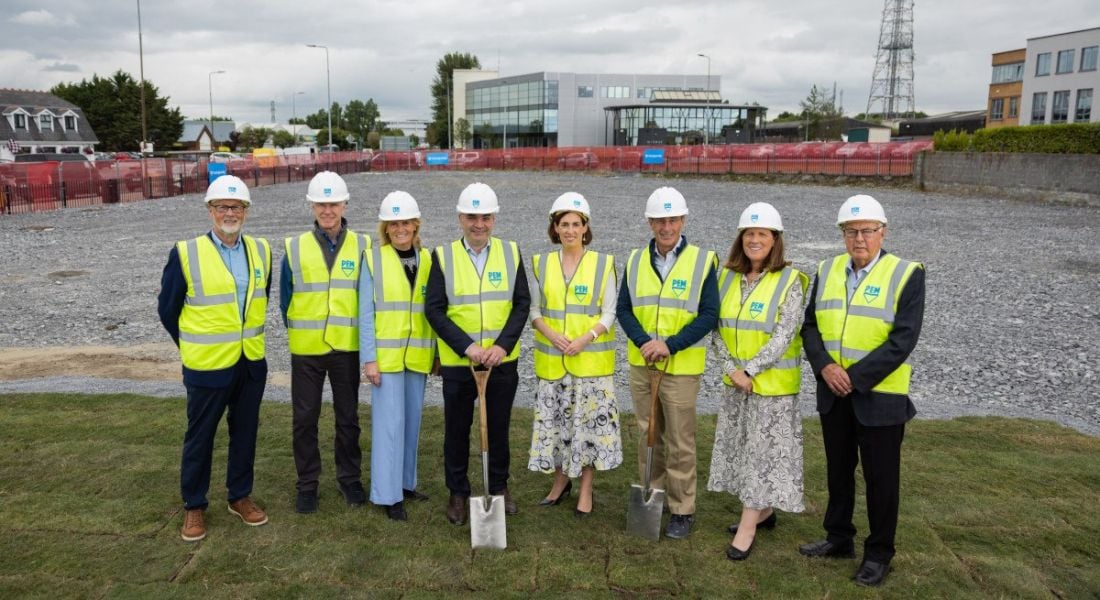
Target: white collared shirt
(854, 277)
(479, 258)
(665, 263)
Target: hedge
(1068, 138)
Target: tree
(361, 117)
(823, 120)
(254, 138)
(441, 93)
(112, 106)
(282, 138)
(339, 137)
(462, 132)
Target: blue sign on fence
(438, 158)
(653, 156)
(214, 171)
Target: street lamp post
(294, 114)
(210, 87)
(706, 109)
(328, 92)
(141, 75)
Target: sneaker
(247, 510)
(354, 494)
(679, 526)
(194, 525)
(306, 503)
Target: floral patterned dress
(758, 440)
(576, 426)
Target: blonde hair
(384, 237)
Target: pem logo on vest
(679, 286)
(494, 278)
(580, 291)
(755, 309)
(871, 292)
(347, 266)
(423, 290)
(258, 274)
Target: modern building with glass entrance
(684, 117)
(559, 109)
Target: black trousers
(846, 441)
(307, 379)
(460, 411)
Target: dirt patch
(65, 274)
(147, 362)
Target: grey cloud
(62, 67)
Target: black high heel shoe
(548, 501)
(580, 514)
(734, 553)
(768, 523)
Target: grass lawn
(89, 507)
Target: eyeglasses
(229, 208)
(852, 233)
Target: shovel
(643, 513)
(487, 528)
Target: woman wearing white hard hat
(396, 350)
(758, 440)
(576, 426)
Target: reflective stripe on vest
(746, 328)
(664, 308)
(573, 308)
(324, 309)
(479, 305)
(212, 335)
(402, 335)
(851, 330)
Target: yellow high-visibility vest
(664, 308)
(851, 330)
(745, 328)
(402, 335)
(212, 333)
(478, 305)
(574, 308)
(324, 309)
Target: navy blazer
(873, 409)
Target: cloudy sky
(764, 51)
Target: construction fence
(44, 186)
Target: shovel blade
(643, 515)
(487, 528)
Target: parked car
(224, 157)
(579, 160)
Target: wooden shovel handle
(481, 379)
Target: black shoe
(548, 501)
(733, 553)
(414, 495)
(354, 494)
(825, 548)
(306, 503)
(580, 514)
(768, 523)
(871, 573)
(510, 506)
(396, 512)
(457, 510)
(679, 526)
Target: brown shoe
(194, 525)
(247, 510)
(510, 506)
(457, 510)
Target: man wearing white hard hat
(667, 305)
(477, 303)
(396, 350)
(213, 302)
(862, 322)
(319, 300)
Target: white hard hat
(478, 199)
(228, 187)
(760, 214)
(860, 208)
(398, 206)
(327, 187)
(665, 202)
(571, 202)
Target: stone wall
(1058, 177)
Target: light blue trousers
(395, 433)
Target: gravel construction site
(1011, 325)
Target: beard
(228, 229)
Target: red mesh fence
(34, 187)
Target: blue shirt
(854, 277)
(479, 258)
(237, 263)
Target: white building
(1061, 78)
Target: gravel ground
(1012, 322)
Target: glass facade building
(519, 113)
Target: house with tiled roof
(42, 122)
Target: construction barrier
(35, 187)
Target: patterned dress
(758, 440)
(576, 426)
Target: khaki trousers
(675, 423)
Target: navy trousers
(205, 407)
(460, 412)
